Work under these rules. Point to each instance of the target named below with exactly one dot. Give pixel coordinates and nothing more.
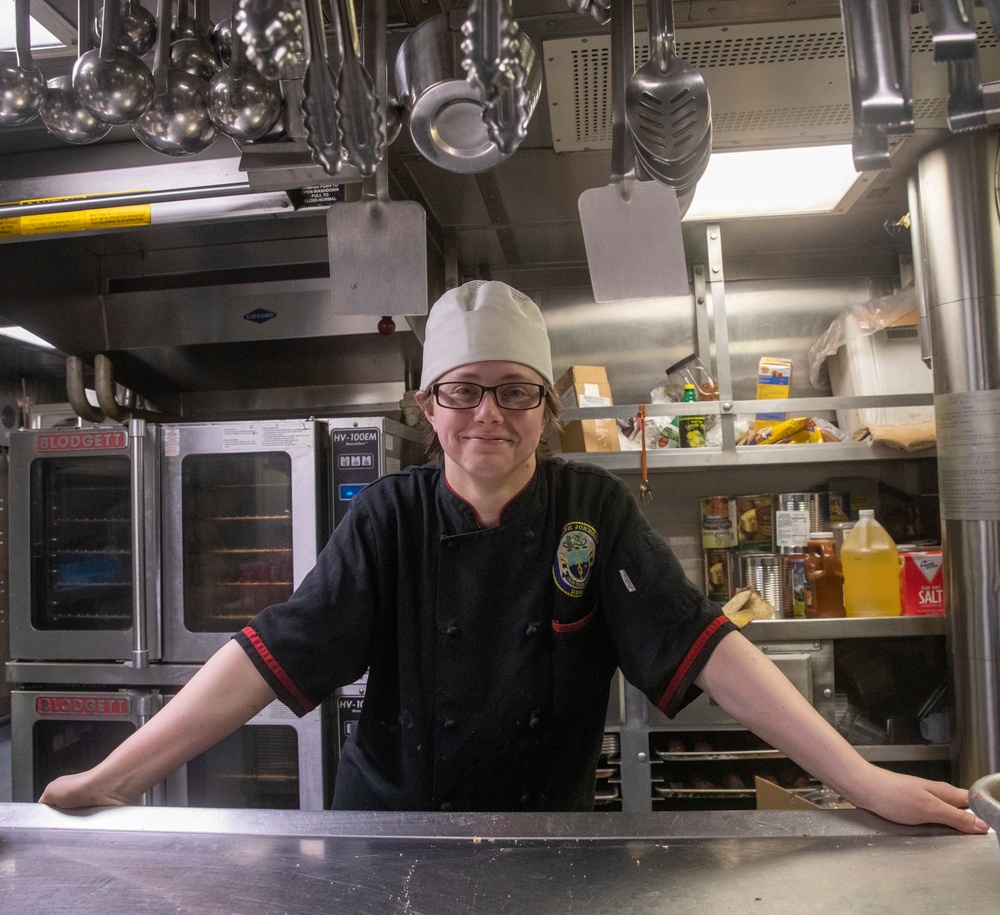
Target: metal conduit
(958, 206)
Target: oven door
(275, 761)
(71, 575)
(243, 522)
(60, 731)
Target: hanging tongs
(272, 34)
(361, 122)
(489, 46)
(645, 493)
(320, 106)
(507, 116)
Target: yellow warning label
(76, 220)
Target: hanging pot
(445, 111)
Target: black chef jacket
(489, 651)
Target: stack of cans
(759, 540)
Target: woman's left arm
(750, 688)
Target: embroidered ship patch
(574, 558)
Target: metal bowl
(445, 111)
(984, 799)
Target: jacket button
(452, 631)
(535, 720)
(532, 628)
(529, 535)
(525, 797)
(446, 806)
(449, 724)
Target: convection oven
(362, 449)
(59, 731)
(245, 515)
(84, 572)
(276, 761)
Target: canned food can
(762, 572)
(794, 515)
(718, 523)
(722, 575)
(753, 520)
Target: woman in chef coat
(490, 595)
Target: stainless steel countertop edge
(476, 827)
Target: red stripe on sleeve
(681, 672)
(278, 671)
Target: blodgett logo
(260, 315)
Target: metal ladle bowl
(177, 122)
(137, 31)
(64, 117)
(22, 91)
(222, 39)
(195, 56)
(242, 103)
(115, 91)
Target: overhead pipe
(104, 384)
(77, 393)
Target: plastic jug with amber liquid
(871, 569)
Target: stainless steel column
(960, 233)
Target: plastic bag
(859, 320)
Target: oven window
(65, 747)
(81, 543)
(237, 527)
(256, 766)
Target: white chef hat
(482, 321)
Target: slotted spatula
(666, 100)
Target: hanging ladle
(22, 85)
(196, 55)
(177, 122)
(136, 28)
(242, 103)
(113, 85)
(62, 113)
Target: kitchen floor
(5, 762)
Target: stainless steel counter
(223, 861)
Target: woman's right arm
(226, 693)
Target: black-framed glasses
(465, 395)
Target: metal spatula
(631, 228)
(378, 246)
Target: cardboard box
(885, 362)
(773, 797)
(587, 386)
(921, 582)
(774, 380)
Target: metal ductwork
(956, 193)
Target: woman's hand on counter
(749, 687)
(224, 694)
(915, 801)
(70, 792)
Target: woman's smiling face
(485, 444)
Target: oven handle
(144, 711)
(140, 642)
